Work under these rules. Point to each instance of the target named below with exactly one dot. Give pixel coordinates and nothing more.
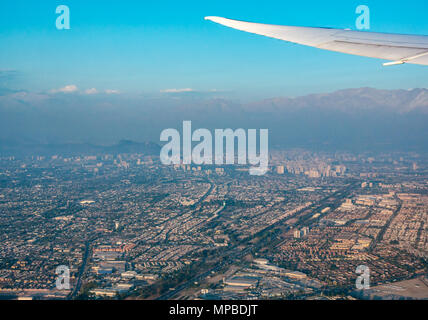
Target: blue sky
(149, 46)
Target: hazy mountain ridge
(352, 100)
(361, 118)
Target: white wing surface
(398, 48)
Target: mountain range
(351, 119)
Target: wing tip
(211, 18)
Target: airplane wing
(397, 48)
